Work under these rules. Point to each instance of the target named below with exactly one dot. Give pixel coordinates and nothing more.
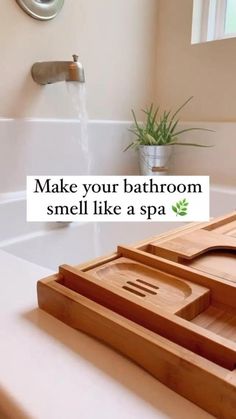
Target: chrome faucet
(54, 71)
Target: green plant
(162, 130)
(181, 208)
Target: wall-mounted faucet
(53, 71)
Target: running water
(77, 92)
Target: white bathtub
(50, 245)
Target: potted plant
(155, 139)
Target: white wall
(116, 40)
(217, 161)
(206, 71)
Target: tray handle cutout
(194, 244)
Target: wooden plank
(219, 264)
(191, 245)
(228, 229)
(211, 225)
(182, 332)
(97, 262)
(219, 319)
(218, 222)
(170, 233)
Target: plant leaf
(127, 148)
(181, 107)
(193, 129)
(136, 122)
(193, 145)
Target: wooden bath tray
(174, 321)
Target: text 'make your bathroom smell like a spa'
(117, 198)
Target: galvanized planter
(154, 160)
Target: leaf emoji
(181, 207)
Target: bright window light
(213, 19)
(230, 18)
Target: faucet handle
(75, 58)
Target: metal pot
(154, 159)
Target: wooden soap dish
(156, 288)
(173, 320)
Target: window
(230, 18)
(213, 19)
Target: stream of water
(77, 92)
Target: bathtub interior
(52, 244)
(79, 242)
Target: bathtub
(53, 244)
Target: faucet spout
(54, 71)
